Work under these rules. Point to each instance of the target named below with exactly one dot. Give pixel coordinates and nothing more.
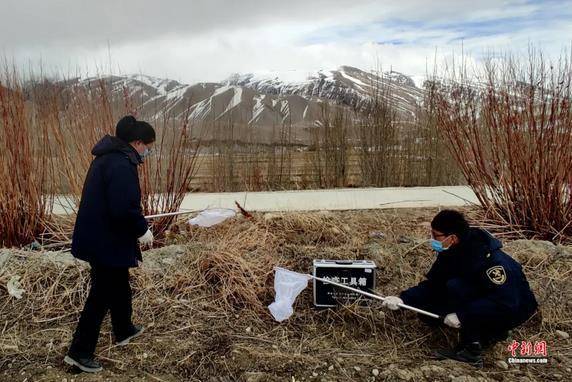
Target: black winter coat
(110, 219)
(480, 273)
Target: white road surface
(334, 199)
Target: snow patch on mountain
(264, 99)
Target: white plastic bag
(287, 285)
(210, 217)
(15, 287)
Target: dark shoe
(89, 365)
(439, 353)
(135, 332)
(497, 337)
(470, 353)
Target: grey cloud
(87, 23)
(29, 23)
(207, 39)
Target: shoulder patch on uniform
(497, 274)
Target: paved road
(335, 199)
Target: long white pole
(168, 214)
(377, 297)
(146, 217)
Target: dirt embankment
(203, 300)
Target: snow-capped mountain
(346, 85)
(263, 100)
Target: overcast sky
(207, 40)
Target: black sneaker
(439, 353)
(470, 353)
(135, 332)
(494, 339)
(89, 365)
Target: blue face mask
(145, 153)
(437, 246)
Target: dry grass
(204, 301)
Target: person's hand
(452, 320)
(392, 302)
(146, 239)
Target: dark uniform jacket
(476, 280)
(110, 219)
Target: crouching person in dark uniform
(109, 228)
(478, 288)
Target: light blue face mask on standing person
(145, 153)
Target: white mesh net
(287, 285)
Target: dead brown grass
(204, 302)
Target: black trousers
(109, 291)
(486, 333)
(491, 327)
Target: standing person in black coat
(109, 228)
(478, 288)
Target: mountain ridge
(263, 101)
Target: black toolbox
(358, 274)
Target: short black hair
(129, 129)
(450, 222)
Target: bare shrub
(510, 129)
(331, 144)
(49, 128)
(377, 140)
(26, 172)
(167, 175)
